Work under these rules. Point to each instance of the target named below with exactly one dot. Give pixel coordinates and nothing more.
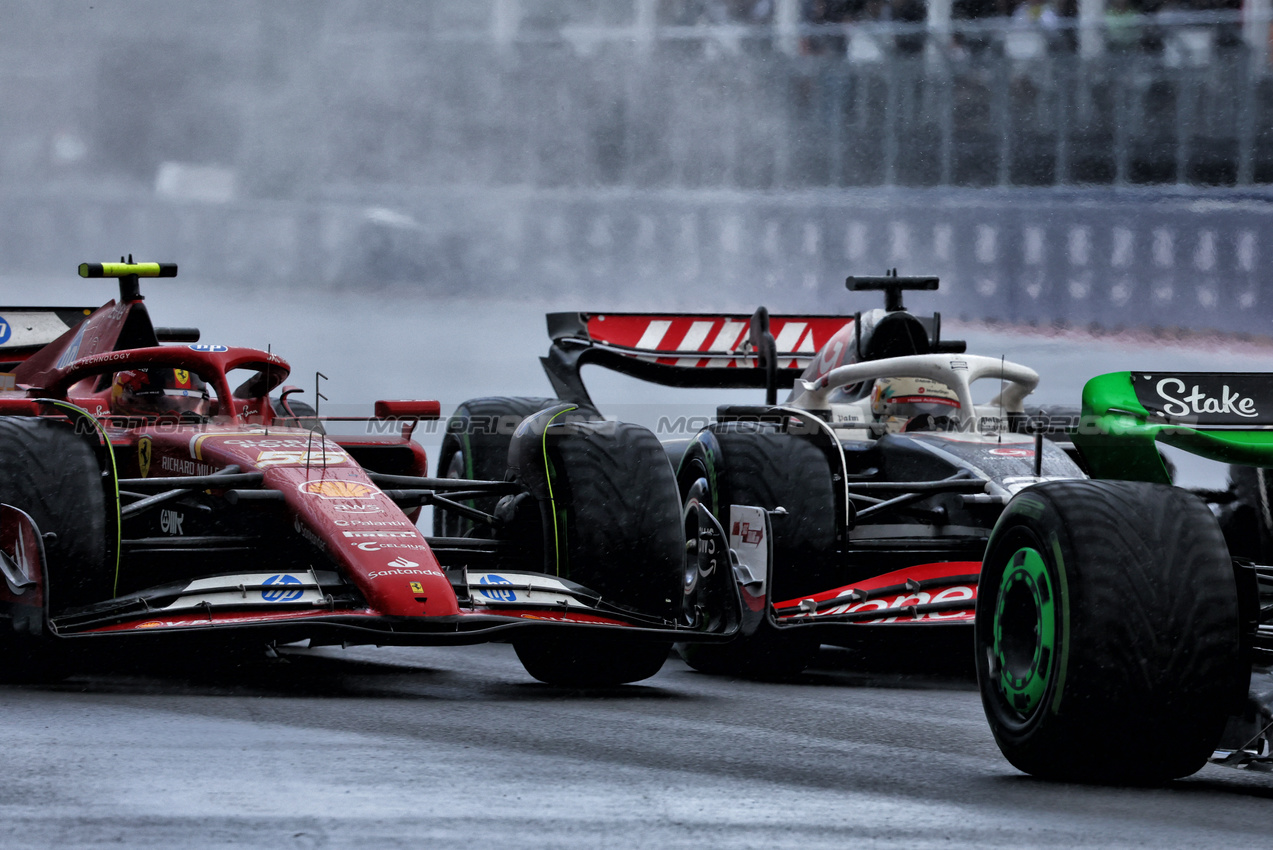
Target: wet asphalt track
(458, 747)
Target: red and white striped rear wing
(681, 349)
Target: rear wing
(25, 330)
(709, 350)
(43, 340)
(1227, 417)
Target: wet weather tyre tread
(770, 469)
(479, 433)
(620, 528)
(618, 532)
(585, 661)
(52, 474)
(1147, 658)
(761, 466)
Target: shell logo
(338, 489)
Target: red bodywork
(797, 338)
(311, 489)
(940, 592)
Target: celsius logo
(497, 595)
(376, 546)
(283, 590)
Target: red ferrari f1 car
(152, 488)
(871, 490)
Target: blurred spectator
(1037, 13)
(1129, 24)
(1066, 38)
(973, 42)
(756, 11)
(971, 9)
(691, 12)
(823, 12)
(909, 12)
(1122, 26)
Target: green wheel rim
(1025, 631)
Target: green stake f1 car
(1124, 628)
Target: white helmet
(906, 398)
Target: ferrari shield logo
(417, 587)
(144, 454)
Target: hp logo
(497, 595)
(282, 589)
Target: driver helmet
(160, 391)
(906, 398)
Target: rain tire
(749, 464)
(52, 474)
(1107, 633)
(589, 661)
(617, 526)
(475, 447)
(742, 463)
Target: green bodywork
(1118, 436)
(1025, 682)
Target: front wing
(322, 607)
(925, 594)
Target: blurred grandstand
(1078, 163)
(643, 93)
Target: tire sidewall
(1146, 648)
(1015, 530)
(756, 463)
(58, 483)
(611, 513)
(484, 458)
(700, 463)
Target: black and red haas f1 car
(152, 488)
(871, 490)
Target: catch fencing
(331, 99)
(1079, 258)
